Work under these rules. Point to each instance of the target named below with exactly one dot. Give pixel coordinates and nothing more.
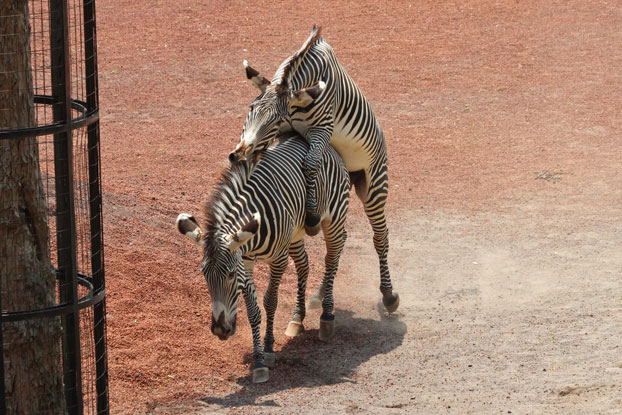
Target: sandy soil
(504, 131)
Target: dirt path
(515, 311)
(504, 132)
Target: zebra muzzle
(240, 153)
(222, 328)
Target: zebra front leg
(299, 255)
(270, 302)
(259, 371)
(335, 236)
(318, 138)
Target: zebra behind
(312, 94)
(256, 213)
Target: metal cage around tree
(60, 90)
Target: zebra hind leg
(299, 255)
(315, 301)
(390, 300)
(270, 302)
(374, 201)
(335, 236)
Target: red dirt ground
(477, 99)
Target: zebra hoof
(269, 359)
(327, 329)
(260, 374)
(391, 302)
(314, 302)
(294, 328)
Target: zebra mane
(224, 194)
(288, 67)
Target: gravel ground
(513, 311)
(504, 131)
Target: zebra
(256, 213)
(312, 94)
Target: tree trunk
(32, 355)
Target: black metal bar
(50, 128)
(95, 199)
(2, 391)
(66, 231)
(88, 117)
(93, 297)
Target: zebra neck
(226, 207)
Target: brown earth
(504, 131)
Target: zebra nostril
(232, 157)
(221, 319)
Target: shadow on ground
(305, 361)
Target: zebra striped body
(312, 94)
(257, 214)
(340, 115)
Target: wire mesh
(48, 72)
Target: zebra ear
(242, 236)
(187, 225)
(304, 97)
(257, 80)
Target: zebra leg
(259, 372)
(270, 303)
(374, 201)
(299, 255)
(335, 236)
(315, 301)
(318, 138)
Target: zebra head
(222, 267)
(269, 111)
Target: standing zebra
(257, 213)
(312, 94)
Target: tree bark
(32, 356)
